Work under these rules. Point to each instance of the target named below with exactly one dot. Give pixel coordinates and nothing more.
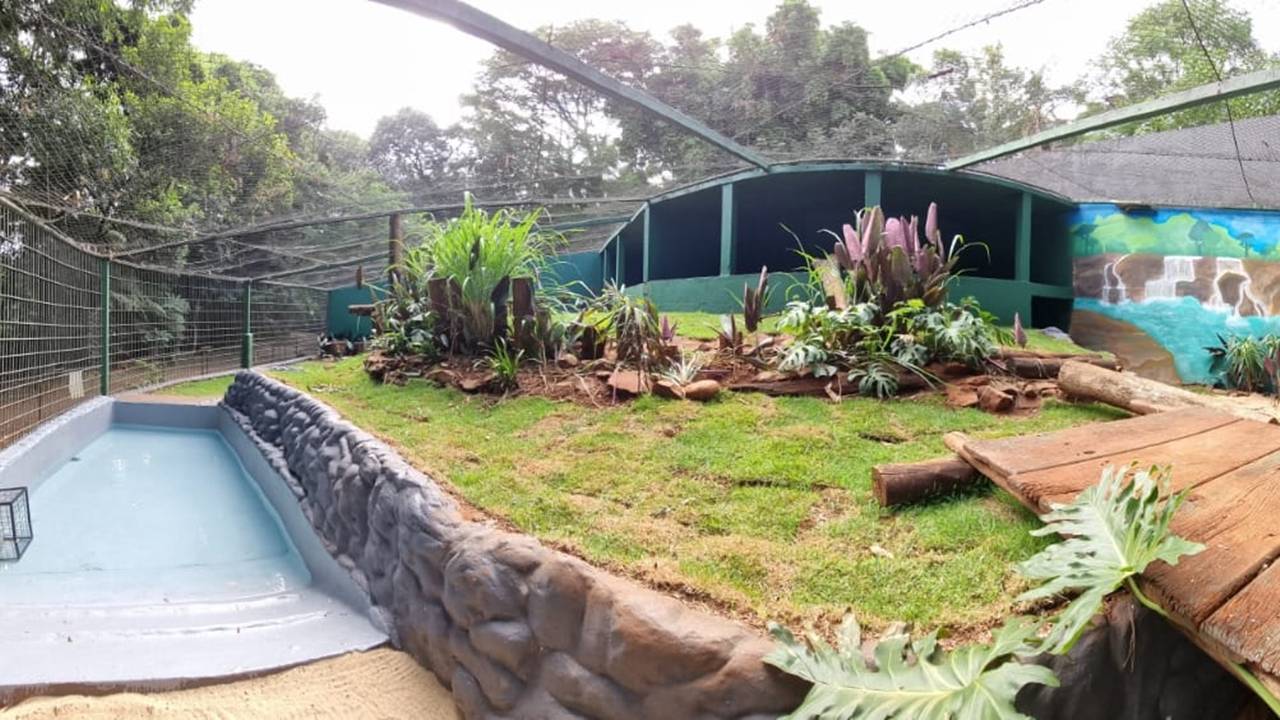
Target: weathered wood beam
(487, 27)
(1210, 92)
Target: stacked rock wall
(515, 629)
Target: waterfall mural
(1156, 286)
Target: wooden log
(360, 310)
(1143, 396)
(902, 483)
(522, 297)
(1043, 368)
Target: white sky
(363, 60)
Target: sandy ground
(379, 684)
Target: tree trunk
(1143, 396)
(902, 483)
(1042, 368)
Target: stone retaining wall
(515, 629)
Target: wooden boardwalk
(1226, 598)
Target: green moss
(760, 504)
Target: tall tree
(1160, 52)
(411, 150)
(971, 102)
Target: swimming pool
(165, 549)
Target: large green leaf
(910, 681)
(1113, 531)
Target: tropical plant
(910, 680)
(755, 300)
(481, 252)
(683, 370)
(633, 322)
(504, 363)
(668, 330)
(728, 335)
(1113, 531)
(403, 325)
(1247, 363)
(886, 262)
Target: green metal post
(246, 341)
(1022, 241)
(620, 262)
(647, 255)
(104, 311)
(728, 247)
(871, 188)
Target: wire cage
(15, 523)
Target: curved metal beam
(489, 28)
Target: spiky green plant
(683, 370)
(910, 680)
(504, 363)
(481, 252)
(1113, 531)
(633, 322)
(1246, 362)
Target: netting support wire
(512, 39)
(1246, 84)
(246, 340)
(104, 312)
(325, 266)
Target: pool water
(152, 515)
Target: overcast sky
(363, 60)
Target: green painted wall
(341, 323)
(578, 269)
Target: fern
(910, 680)
(1113, 531)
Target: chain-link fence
(59, 302)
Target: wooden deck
(1226, 598)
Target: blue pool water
(152, 515)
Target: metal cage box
(15, 523)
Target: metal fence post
(104, 311)
(246, 342)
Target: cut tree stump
(1143, 396)
(903, 483)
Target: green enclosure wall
(342, 323)
(581, 271)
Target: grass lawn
(209, 387)
(758, 505)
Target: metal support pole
(246, 341)
(871, 188)
(104, 312)
(728, 250)
(1022, 241)
(647, 257)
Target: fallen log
(1042, 368)
(902, 483)
(1142, 396)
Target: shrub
(1247, 363)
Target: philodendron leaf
(910, 681)
(1113, 531)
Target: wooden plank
(1195, 459)
(1234, 516)
(1012, 456)
(1249, 623)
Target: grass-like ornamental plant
(1247, 363)
(1113, 531)
(910, 680)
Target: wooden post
(902, 483)
(246, 340)
(871, 183)
(395, 249)
(104, 290)
(728, 220)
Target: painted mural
(1158, 286)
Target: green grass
(760, 505)
(208, 388)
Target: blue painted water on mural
(1184, 327)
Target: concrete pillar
(871, 188)
(728, 230)
(1022, 241)
(647, 257)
